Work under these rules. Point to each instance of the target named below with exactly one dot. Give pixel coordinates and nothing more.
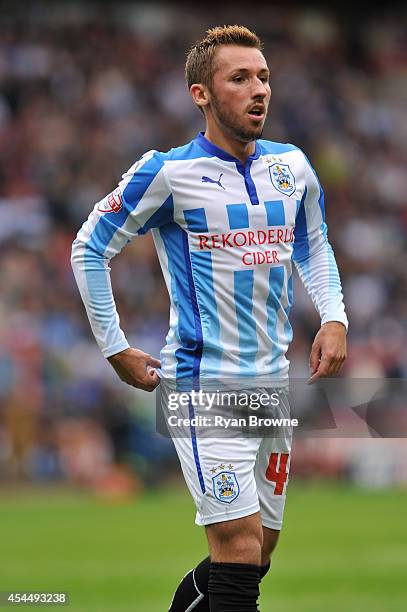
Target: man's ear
(199, 94)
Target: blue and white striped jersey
(226, 234)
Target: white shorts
(230, 477)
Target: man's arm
(141, 201)
(315, 261)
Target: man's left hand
(328, 351)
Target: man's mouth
(257, 112)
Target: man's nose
(260, 89)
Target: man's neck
(240, 150)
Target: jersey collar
(211, 148)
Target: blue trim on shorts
(195, 449)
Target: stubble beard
(228, 121)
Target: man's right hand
(136, 368)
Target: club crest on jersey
(111, 203)
(225, 487)
(282, 178)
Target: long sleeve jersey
(226, 234)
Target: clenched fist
(136, 368)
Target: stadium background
(91, 499)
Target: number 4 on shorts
(280, 476)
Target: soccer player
(229, 212)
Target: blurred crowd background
(85, 89)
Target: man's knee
(236, 541)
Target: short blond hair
(199, 66)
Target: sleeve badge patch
(111, 203)
(282, 178)
(225, 487)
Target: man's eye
(238, 79)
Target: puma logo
(208, 179)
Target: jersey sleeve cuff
(116, 348)
(338, 318)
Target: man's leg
(235, 550)
(193, 589)
(272, 467)
(192, 593)
(270, 539)
(220, 476)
